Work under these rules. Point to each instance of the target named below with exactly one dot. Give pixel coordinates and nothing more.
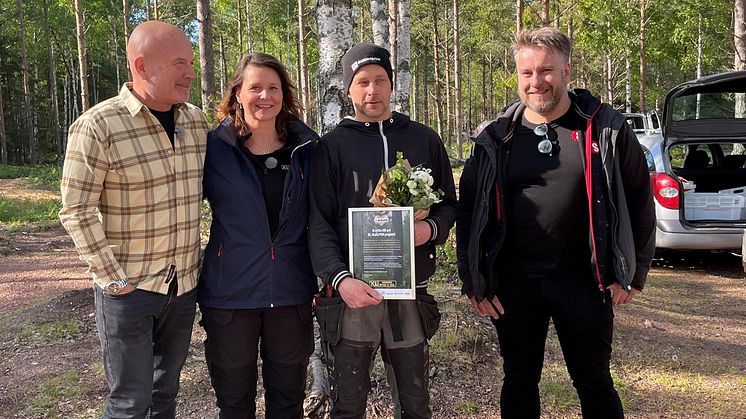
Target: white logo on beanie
(363, 61)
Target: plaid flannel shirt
(130, 200)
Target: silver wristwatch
(115, 287)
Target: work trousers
(283, 336)
(583, 318)
(406, 360)
(145, 340)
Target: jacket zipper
(589, 192)
(385, 146)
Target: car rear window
(711, 105)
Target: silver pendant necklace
(270, 163)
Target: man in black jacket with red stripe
(556, 221)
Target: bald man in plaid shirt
(131, 193)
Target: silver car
(698, 165)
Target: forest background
(454, 67)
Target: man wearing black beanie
(346, 166)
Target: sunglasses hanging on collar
(546, 146)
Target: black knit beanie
(364, 54)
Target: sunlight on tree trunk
(380, 23)
(403, 56)
(335, 38)
(303, 62)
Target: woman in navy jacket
(257, 282)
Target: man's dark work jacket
(622, 215)
(244, 266)
(347, 166)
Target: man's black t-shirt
(167, 122)
(547, 205)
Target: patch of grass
(467, 406)
(40, 177)
(49, 332)
(16, 211)
(555, 388)
(53, 390)
(5, 319)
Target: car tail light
(666, 190)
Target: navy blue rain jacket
(245, 267)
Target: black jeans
(145, 339)
(584, 324)
(285, 335)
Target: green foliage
(49, 332)
(467, 406)
(41, 177)
(55, 389)
(409, 187)
(16, 211)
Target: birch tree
(403, 56)
(303, 61)
(643, 67)
(335, 38)
(380, 23)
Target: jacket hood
(298, 132)
(584, 102)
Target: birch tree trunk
(608, 79)
(55, 117)
(545, 7)
(335, 38)
(457, 79)
(239, 30)
(82, 59)
(32, 146)
(643, 65)
(206, 62)
(147, 9)
(394, 40)
(223, 66)
(436, 64)
(249, 41)
(627, 84)
(380, 23)
(518, 15)
(156, 16)
(303, 61)
(403, 57)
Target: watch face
(113, 288)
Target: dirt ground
(679, 349)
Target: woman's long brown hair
(229, 105)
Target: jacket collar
(298, 132)
(396, 121)
(582, 100)
(132, 103)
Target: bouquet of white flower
(405, 186)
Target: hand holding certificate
(382, 238)
(382, 249)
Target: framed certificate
(382, 249)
